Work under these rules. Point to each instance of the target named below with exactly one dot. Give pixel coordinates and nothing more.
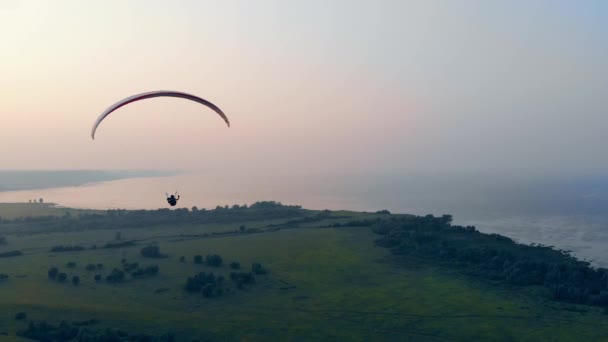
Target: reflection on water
(527, 214)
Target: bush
(383, 211)
(53, 272)
(3, 276)
(75, 280)
(206, 283)
(257, 268)
(213, 260)
(147, 271)
(151, 252)
(67, 248)
(10, 254)
(119, 244)
(97, 278)
(116, 276)
(91, 267)
(242, 278)
(235, 265)
(198, 259)
(62, 277)
(20, 316)
(70, 264)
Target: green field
(323, 284)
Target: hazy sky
(507, 87)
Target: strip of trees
(495, 257)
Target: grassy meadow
(330, 284)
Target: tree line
(76, 331)
(119, 218)
(495, 257)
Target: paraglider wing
(158, 93)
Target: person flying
(172, 200)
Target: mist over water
(565, 213)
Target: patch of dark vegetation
(93, 267)
(213, 260)
(235, 265)
(152, 252)
(67, 249)
(128, 267)
(75, 280)
(3, 240)
(354, 223)
(241, 279)
(116, 276)
(140, 272)
(20, 316)
(120, 244)
(70, 264)
(86, 323)
(3, 276)
(256, 268)
(62, 277)
(495, 257)
(52, 273)
(198, 259)
(162, 290)
(383, 211)
(10, 254)
(207, 284)
(65, 331)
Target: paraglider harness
(172, 200)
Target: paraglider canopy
(157, 93)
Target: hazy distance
(500, 89)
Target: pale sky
(506, 87)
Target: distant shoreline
(24, 180)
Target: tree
(242, 228)
(182, 259)
(207, 290)
(61, 277)
(213, 260)
(242, 278)
(20, 316)
(41, 200)
(116, 276)
(53, 272)
(198, 259)
(257, 268)
(75, 280)
(97, 278)
(235, 265)
(151, 252)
